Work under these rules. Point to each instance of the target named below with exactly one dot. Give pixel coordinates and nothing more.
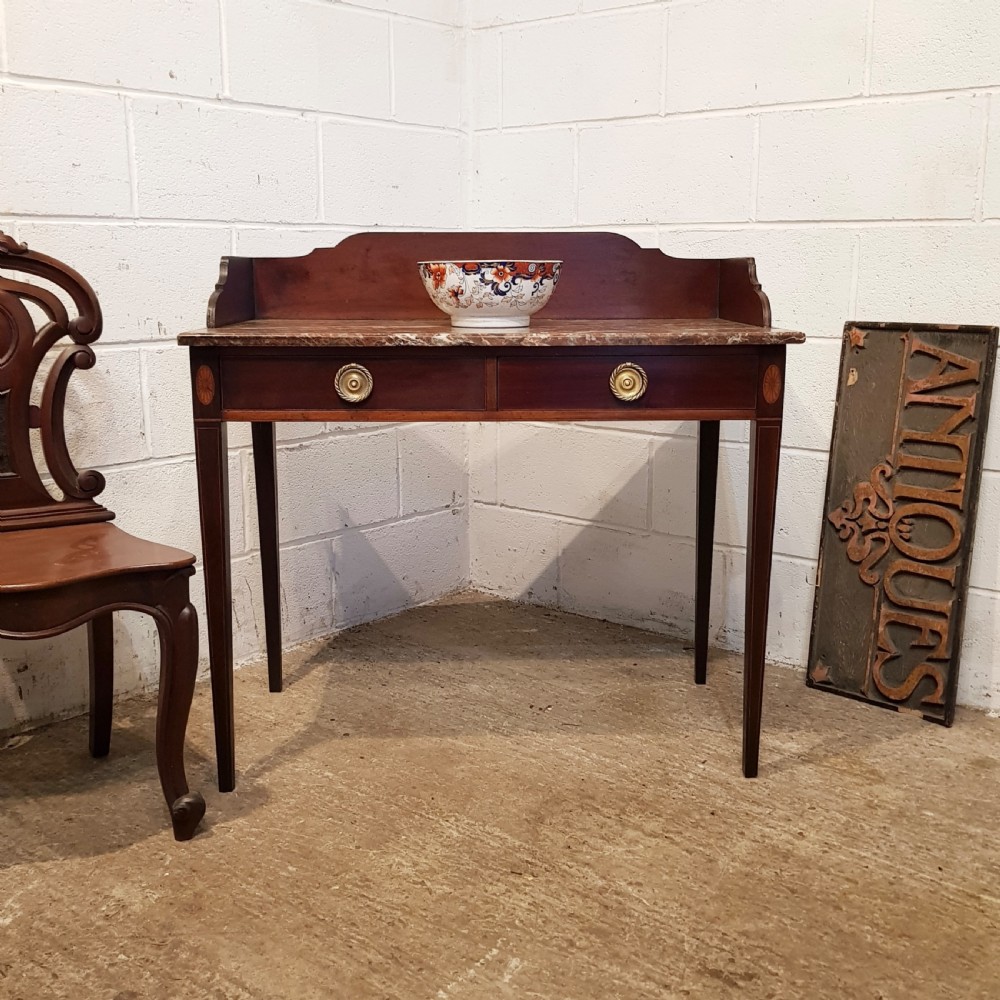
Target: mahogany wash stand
(349, 333)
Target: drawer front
(303, 383)
(679, 382)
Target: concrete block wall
(140, 140)
(853, 148)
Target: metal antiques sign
(900, 511)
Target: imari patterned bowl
(490, 294)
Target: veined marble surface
(434, 333)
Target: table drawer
(385, 383)
(584, 383)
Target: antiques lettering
(912, 511)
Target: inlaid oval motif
(204, 385)
(772, 384)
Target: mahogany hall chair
(62, 564)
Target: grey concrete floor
(482, 800)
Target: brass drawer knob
(628, 382)
(354, 383)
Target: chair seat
(43, 558)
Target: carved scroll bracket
(24, 500)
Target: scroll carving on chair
(61, 563)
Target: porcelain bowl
(490, 294)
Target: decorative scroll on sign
(908, 439)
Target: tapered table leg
(267, 520)
(212, 456)
(708, 470)
(765, 443)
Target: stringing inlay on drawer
(589, 382)
(262, 381)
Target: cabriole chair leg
(178, 624)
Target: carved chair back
(24, 500)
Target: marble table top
(437, 333)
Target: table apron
(447, 385)
(486, 416)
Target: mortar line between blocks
(650, 452)
(978, 210)
(740, 225)
(399, 474)
(3, 37)
(188, 456)
(635, 7)
(320, 179)
(689, 541)
(223, 50)
(303, 541)
(866, 73)
(664, 56)
(855, 276)
(195, 223)
(570, 520)
(576, 175)
(560, 550)
(346, 228)
(467, 120)
(467, 465)
(397, 15)
(353, 622)
(499, 80)
(246, 460)
(392, 69)
(219, 103)
(741, 111)
(496, 460)
(147, 415)
(133, 173)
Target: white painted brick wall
(164, 45)
(84, 135)
(880, 160)
(934, 45)
(688, 170)
(142, 141)
(521, 179)
(427, 61)
(375, 175)
(219, 163)
(708, 45)
(599, 67)
(480, 14)
(853, 148)
(341, 56)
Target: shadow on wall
(47, 679)
(609, 532)
(353, 571)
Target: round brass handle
(354, 383)
(628, 382)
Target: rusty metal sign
(909, 430)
